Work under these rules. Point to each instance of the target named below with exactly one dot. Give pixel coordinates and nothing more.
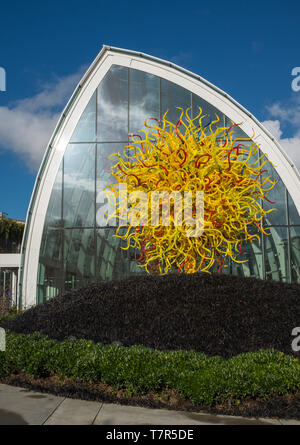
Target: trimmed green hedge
(202, 379)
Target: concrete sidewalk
(23, 407)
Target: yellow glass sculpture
(189, 157)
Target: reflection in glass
(209, 112)
(49, 282)
(113, 105)
(276, 254)
(104, 164)
(113, 262)
(277, 197)
(252, 257)
(54, 211)
(85, 130)
(79, 257)
(173, 96)
(295, 254)
(251, 253)
(294, 218)
(238, 132)
(144, 99)
(79, 185)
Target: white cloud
(289, 114)
(274, 128)
(27, 124)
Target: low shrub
(221, 315)
(202, 379)
(8, 313)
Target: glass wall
(76, 251)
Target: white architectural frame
(72, 113)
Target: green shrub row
(202, 379)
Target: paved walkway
(23, 407)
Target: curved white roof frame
(71, 115)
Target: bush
(138, 369)
(214, 314)
(7, 312)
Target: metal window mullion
(289, 258)
(160, 99)
(263, 256)
(95, 210)
(128, 118)
(95, 197)
(62, 228)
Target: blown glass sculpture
(190, 157)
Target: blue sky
(246, 48)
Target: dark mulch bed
(214, 314)
(281, 406)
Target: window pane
(103, 163)
(113, 105)
(237, 131)
(54, 211)
(79, 185)
(79, 257)
(104, 176)
(293, 212)
(251, 253)
(85, 130)
(295, 254)
(277, 196)
(173, 96)
(209, 112)
(144, 99)
(50, 265)
(113, 263)
(253, 267)
(276, 254)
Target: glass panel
(238, 132)
(50, 265)
(103, 163)
(295, 254)
(173, 96)
(144, 99)
(113, 105)
(253, 267)
(79, 185)
(54, 211)
(209, 111)
(293, 212)
(79, 257)
(276, 254)
(113, 262)
(277, 196)
(85, 130)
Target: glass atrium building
(63, 248)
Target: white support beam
(10, 260)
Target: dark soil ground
(284, 407)
(215, 314)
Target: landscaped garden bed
(201, 342)
(214, 314)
